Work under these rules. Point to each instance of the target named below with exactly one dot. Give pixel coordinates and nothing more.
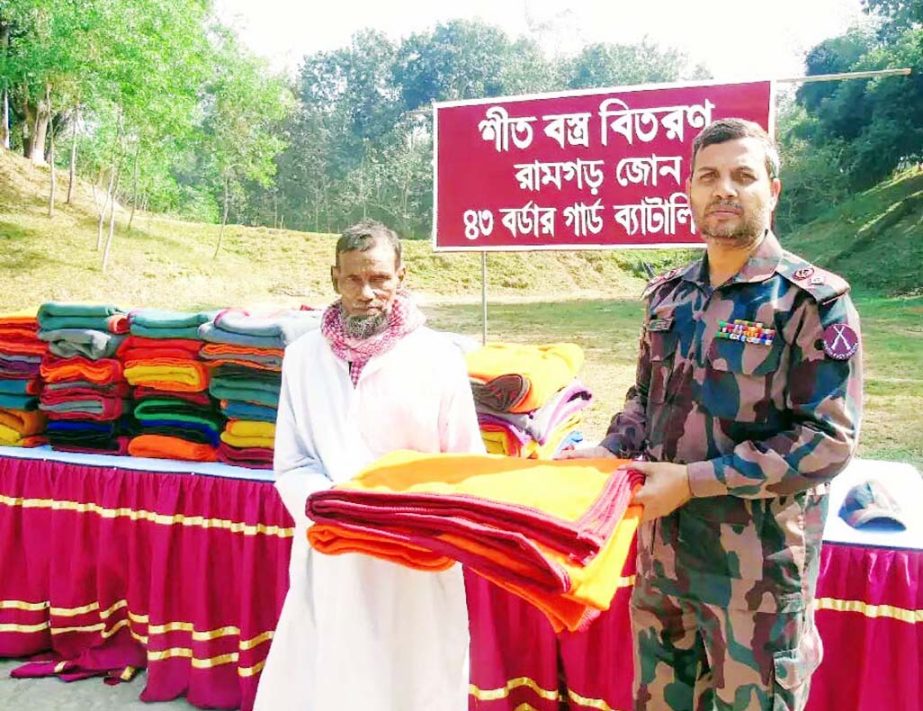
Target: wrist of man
(703, 480)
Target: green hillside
(875, 240)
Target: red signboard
(578, 170)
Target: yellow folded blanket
(520, 378)
(186, 377)
(251, 428)
(244, 441)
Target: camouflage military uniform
(722, 608)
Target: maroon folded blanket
(251, 457)
(143, 391)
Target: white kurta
(356, 632)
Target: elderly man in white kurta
(356, 632)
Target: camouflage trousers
(690, 656)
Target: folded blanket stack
(557, 534)
(21, 351)
(528, 398)
(177, 418)
(244, 351)
(84, 393)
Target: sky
(735, 41)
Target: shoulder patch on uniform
(822, 285)
(660, 280)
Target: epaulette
(822, 285)
(660, 280)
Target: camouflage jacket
(757, 387)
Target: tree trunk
(224, 217)
(40, 132)
(54, 175)
(72, 170)
(111, 220)
(28, 124)
(4, 90)
(110, 192)
(102, 212)
(134, 186)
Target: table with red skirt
(109, 565)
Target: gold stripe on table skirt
(504, 691)
(588, 702)
(23, 605)
(246, 529)
(869, 610)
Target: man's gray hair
(366, 234)
(732, 129)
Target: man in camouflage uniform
(746, 404)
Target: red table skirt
(869, 613)
(113, 570)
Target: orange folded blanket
(104, 370)
(166, 447)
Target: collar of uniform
(761, 265)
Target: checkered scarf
(403, 318)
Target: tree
(245, 105)
(605, 65)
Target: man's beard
(362, 327)
(745, 233)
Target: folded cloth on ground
(248, 411)
(250, 428)
(117, 446)
(244, 441)
(17, 369)
(230, 373)
(20, 386)
(252, 457)
(189, 347)
(9, 437)
(26, 317)
(85, 408)
(539, 423)
(161, 406)
(170, 374)
(16, 333)
(211, 421)
(555, 533)
(102, 371)
(159, 319)
(166, 447)
(520, 378)
(88, 342)
(268, 357)
(22, 421)
(189, 431)
(29, 358)
(501, 438)
(11, 346)
(54, 315)
(18, 402)
(286, 325)
(142, 392)
(118, 388)
(87, 435)
(261, 395)
(238, 327)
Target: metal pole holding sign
(484, 298)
